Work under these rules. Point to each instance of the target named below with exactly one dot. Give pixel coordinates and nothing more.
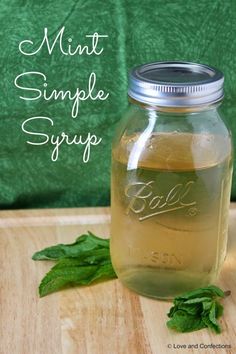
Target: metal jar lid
(176, 84)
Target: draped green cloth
(138, 32)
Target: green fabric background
(139, 32)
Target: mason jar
(171, 180)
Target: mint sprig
(80, 263)
(197, 309)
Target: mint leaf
(61, 276)
(100, 256)
(183, 322)
(197, 309)
(83, 243)
(189, 308)
(209, 291)
(219, 310)
(206, 305)
(83, 262)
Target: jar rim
(176, 84)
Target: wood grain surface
(102, 319)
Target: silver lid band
(176, 84)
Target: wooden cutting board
(101, 319)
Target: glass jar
(171, 180)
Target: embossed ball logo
(144, 201)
